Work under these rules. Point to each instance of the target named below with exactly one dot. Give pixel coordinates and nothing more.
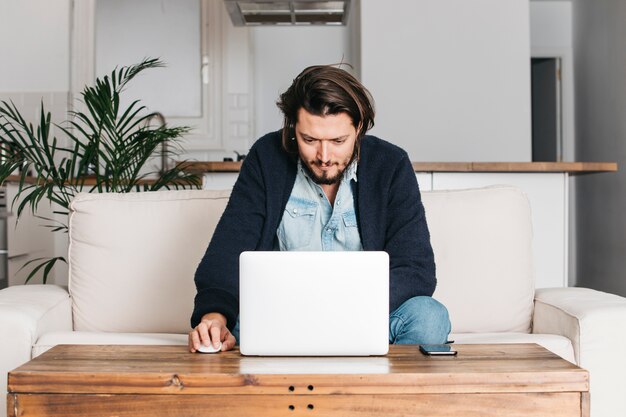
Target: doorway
(547, 128)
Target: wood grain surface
(482, 380)
(173, 370)
(573, 168)
(570, 167)
(427, 405)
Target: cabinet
(219, 180)
(206, 55)
(424, 180)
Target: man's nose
(323, 151)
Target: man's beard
(324, 179)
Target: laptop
(314, 303)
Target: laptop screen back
(314, 303)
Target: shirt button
(295, 210)
(321, 195)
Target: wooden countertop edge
(86, 182)
(211, 166)
(573, 168)
(17, 178)
(569, 167)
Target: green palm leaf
(108, 148)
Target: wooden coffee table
(483, 380)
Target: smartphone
(437, 350)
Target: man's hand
(211, 330)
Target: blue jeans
(419, 320)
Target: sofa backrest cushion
(482, 240)
(132, 258)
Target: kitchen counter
(16, 178)
(572, 168)
(546, 185)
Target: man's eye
(307, 140)
(339, 141)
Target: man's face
(325, 145)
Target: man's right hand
(211, 330)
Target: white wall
(34, 56)
(35, 67)
(451, 79)
(34, 45)
(550, 24)
(280, 54)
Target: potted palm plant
(105, 148)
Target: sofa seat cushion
(52, 339)
(559, 345)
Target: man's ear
(358, 129)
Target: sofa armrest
(594, 322)
(28, 311)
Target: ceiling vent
(287, 13)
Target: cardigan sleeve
(239, 229)
(407, 239)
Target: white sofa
(132, 258)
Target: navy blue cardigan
(389, 212)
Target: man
(321, 184)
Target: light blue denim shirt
(310, 223)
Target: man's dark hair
(326, 90)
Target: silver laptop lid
(314, 303)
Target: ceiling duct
(286, 13)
